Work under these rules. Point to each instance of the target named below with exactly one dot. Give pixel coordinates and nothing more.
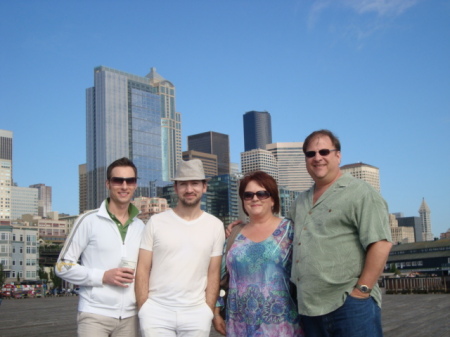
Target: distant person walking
(103, 239)
(177, 278)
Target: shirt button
(304, 228)
(329, 210)
(297, 261)
(299, 243)
(310, 212)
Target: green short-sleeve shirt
(330, 242)
(123, 228)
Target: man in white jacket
(106, 240)
(177, 278)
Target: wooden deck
(402, 315)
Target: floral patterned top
(259, 302)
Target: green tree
(394, 269)
(43, 275)
(56, 280)
(2, 276)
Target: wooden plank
(402, 316)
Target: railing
(416, 285)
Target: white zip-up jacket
(96, 240)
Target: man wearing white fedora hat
(178, 272)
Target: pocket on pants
(358, 298)
(80, 316)
(210, 312)
(143, 309)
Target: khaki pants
(93, 325)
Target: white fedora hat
(190, 170)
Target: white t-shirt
(182, 251)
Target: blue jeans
(356, 318)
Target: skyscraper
(413, 222)
(6, 179)
(425, 219)
(213, 143)
(209, 161)
(259, 160)
(170, 122)
(131, 116)
(82, 188)
(44, 199)
(366, 172)
(292, 173)
(222, 198)
(257, 130)
(400, 234)
(24, 200)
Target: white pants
(158, 320)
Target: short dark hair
(323, 132)
(265, 180)
(120, 162)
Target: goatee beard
(190, 204)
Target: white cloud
(367, 16)
(380, 7)
(383, 8)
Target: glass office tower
(257, 130)
(126, 117)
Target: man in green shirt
(98, 256)
(341, 244)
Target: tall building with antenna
(425, 217)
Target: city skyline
(375, 73)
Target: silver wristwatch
(363, 288)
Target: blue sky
(375, 72)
